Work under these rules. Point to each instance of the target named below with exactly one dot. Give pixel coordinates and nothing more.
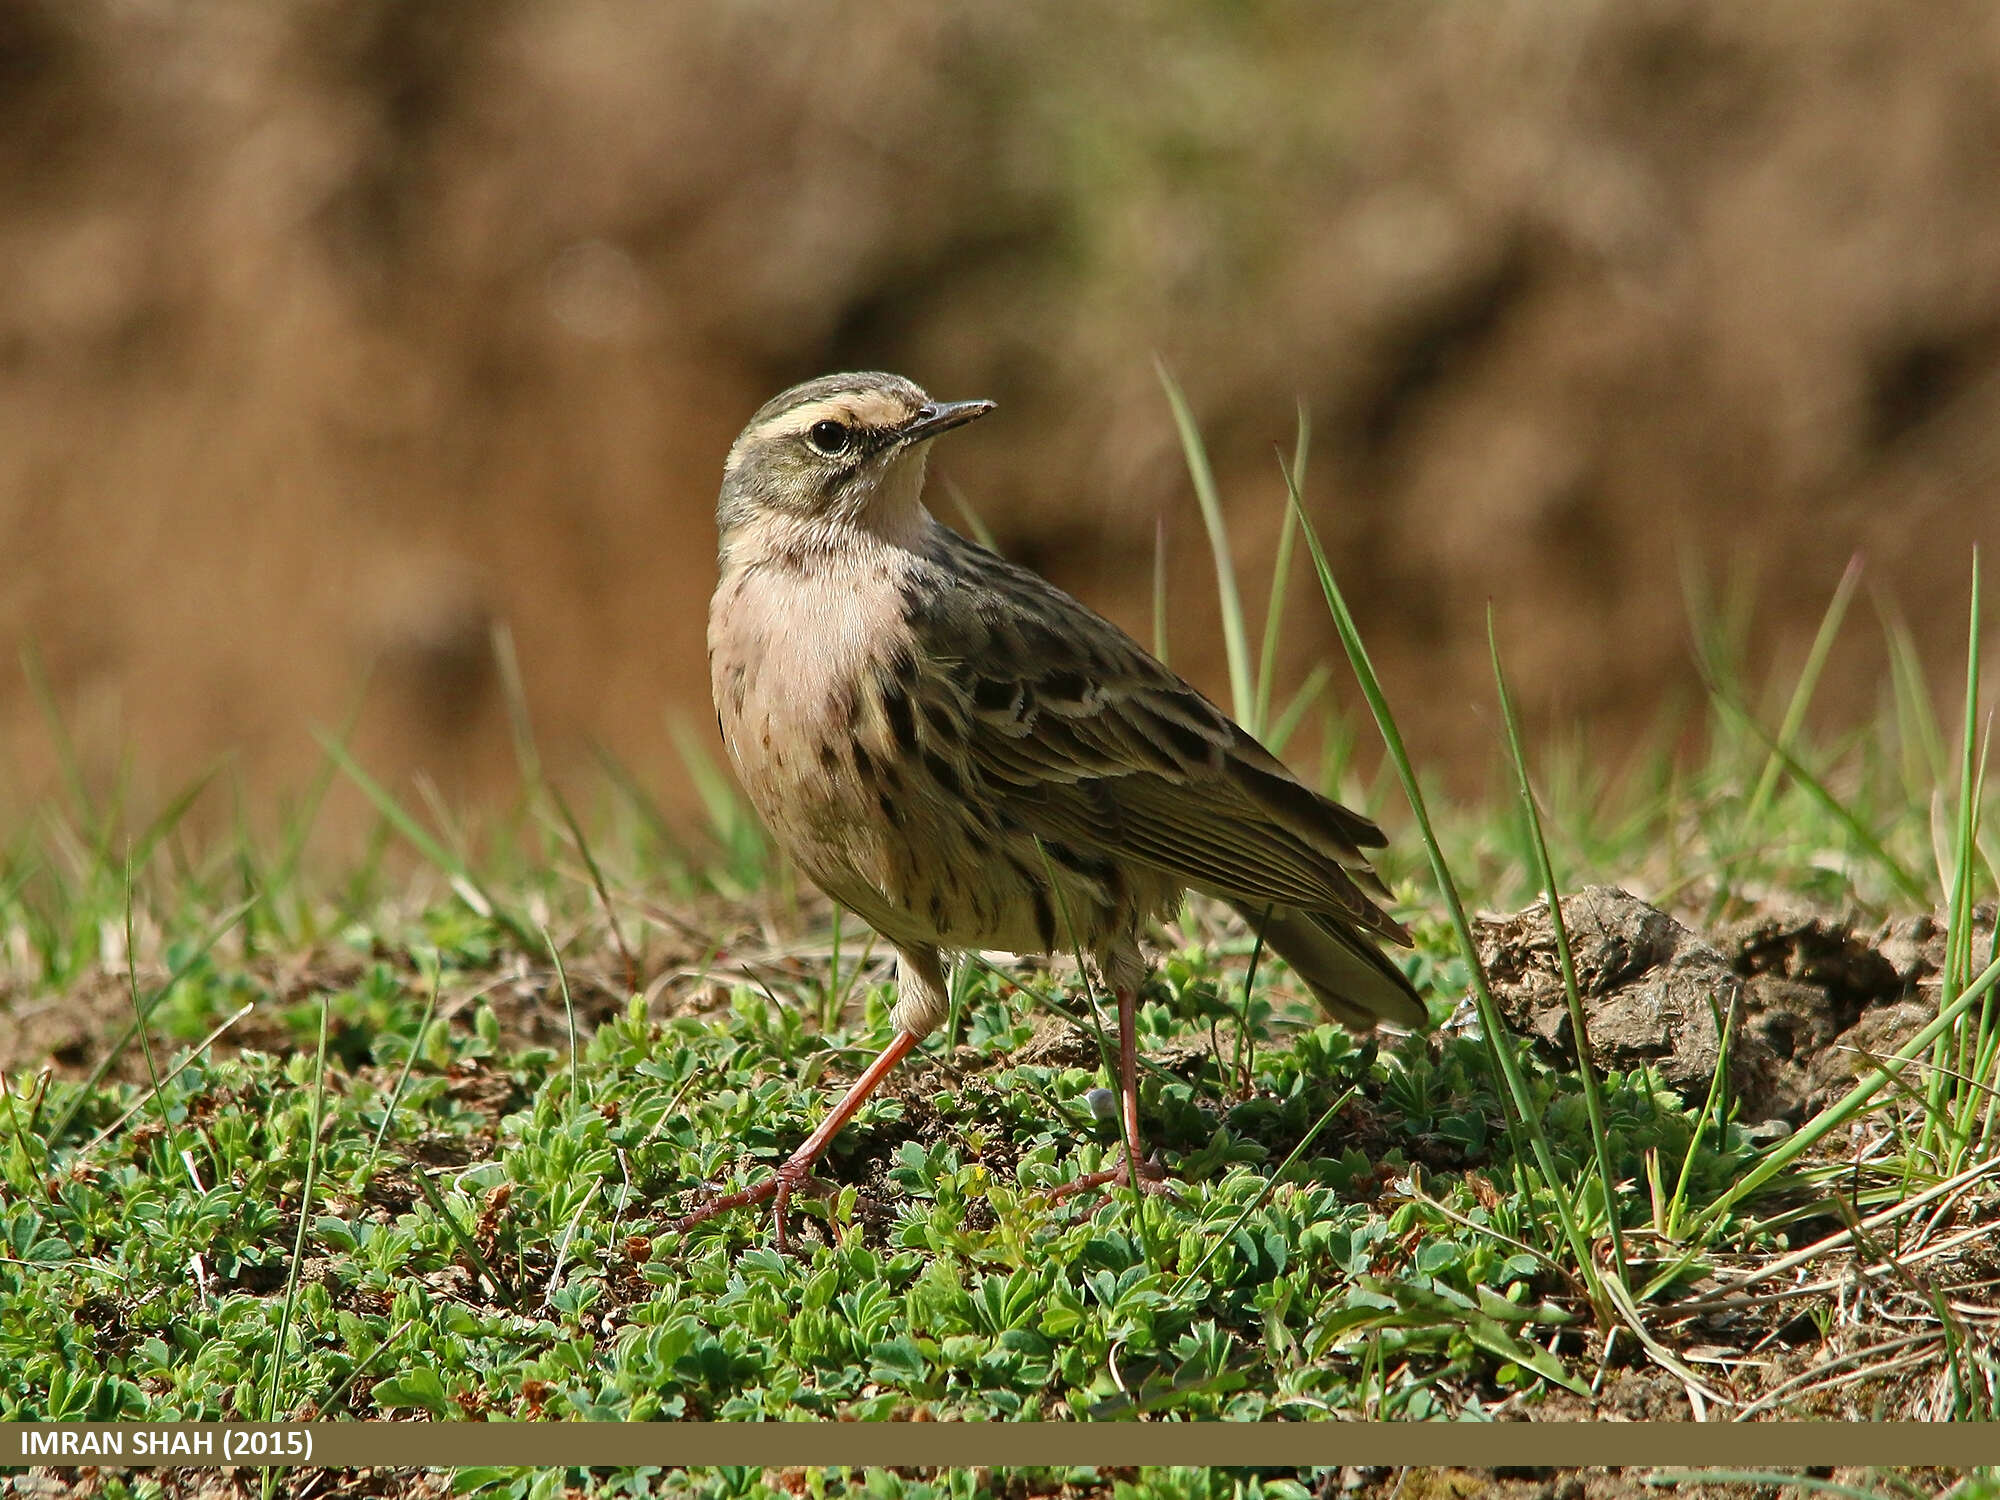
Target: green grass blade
(1235, 638)
(569, 1013)
(328, 1405)
(278, 1350)
(597, 883)
(1712, 1108)
(1545, 871)
(1803, 690)
(434, 977)
(1281, 575)
(1965, 856)
(1492, 1026)
(170, 816)
(1919, 739)
(503, 1289)
(1279, 734)
(627, 786)
(514, 693)
(1264, 1195)
(28, 1162)
(975, 524)
(139, 1025)
(1898, 873)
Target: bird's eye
(829, 438)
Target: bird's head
(843, 449)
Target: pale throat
(893, 508)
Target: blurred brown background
(334, 331)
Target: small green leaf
(420, 1388)
(897, 1362)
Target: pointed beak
(941, 416)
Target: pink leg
(782, 1183)
(1149, 1175)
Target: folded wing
(1086, 740)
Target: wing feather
(1078, 735)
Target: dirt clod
(1846, 969)
(1653, 992)
(1819, 996)
(1828, 994)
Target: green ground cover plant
(407, 1137)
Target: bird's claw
(779, 1187)
(1153, 1181)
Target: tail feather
(1354, 981)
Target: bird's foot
(778, 1188)
(793, 1174)
(1153, 1181)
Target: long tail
(1354, 981)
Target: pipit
(970, 759)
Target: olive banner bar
(1675, 1445)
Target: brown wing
(1076, 733)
